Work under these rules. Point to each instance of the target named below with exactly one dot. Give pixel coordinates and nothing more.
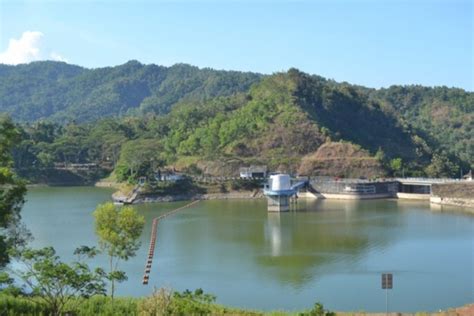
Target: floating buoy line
(154, 229)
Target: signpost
(387, 284)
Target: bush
(166, 302)
(223, 188)
(10, 305)
(159, 303)
(105, 306)
(192, 303)
(122, 173)
(193, 169)
(318, 310)
(96, 305)
(245, 184)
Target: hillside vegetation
(444, 116)
(137, 118)
(341, 160)
(65, 93)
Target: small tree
(441, 166)
(118, 231)
(380, 155)
(57, 283)
(396, 165)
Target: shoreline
(247, 195)
(465, 205)
(37, 185)
(461, 205)
(107, 184)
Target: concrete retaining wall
(413, 196)
(350, 189)
(356, 197)
(467, 203)
(456, 194)
(461, 190)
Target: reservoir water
(328, 251)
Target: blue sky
(372, 43)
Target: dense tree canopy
(66, 93)
(12, 191)
(144, 117)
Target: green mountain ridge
(62, 93)
(183, 116)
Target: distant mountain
(62, 92)
(184, 116)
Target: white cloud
(57, 57)
(23, 50)
(26, 49)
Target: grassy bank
(161, 303)
(165, 302)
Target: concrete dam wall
(353, 189)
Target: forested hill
(443, 114)
(290, 121)
(63, 93)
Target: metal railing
(428, 180)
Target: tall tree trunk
(112, 285)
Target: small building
(280, 189)
(75, 166)
(169, 176)
(253, 172)
(278, 193)
(468, 176)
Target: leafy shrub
(105, 306)
(159, 303)
(166, 302)
(192, 303)
(318, 310)
(10, 306)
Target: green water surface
(327, 251)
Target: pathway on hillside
(154, 229)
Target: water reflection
(304, 244)
(293, 248)
(273, 233)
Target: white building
(253, 172)
(468, 176)
(168, 176)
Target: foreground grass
(164, 302)
(103, 305)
